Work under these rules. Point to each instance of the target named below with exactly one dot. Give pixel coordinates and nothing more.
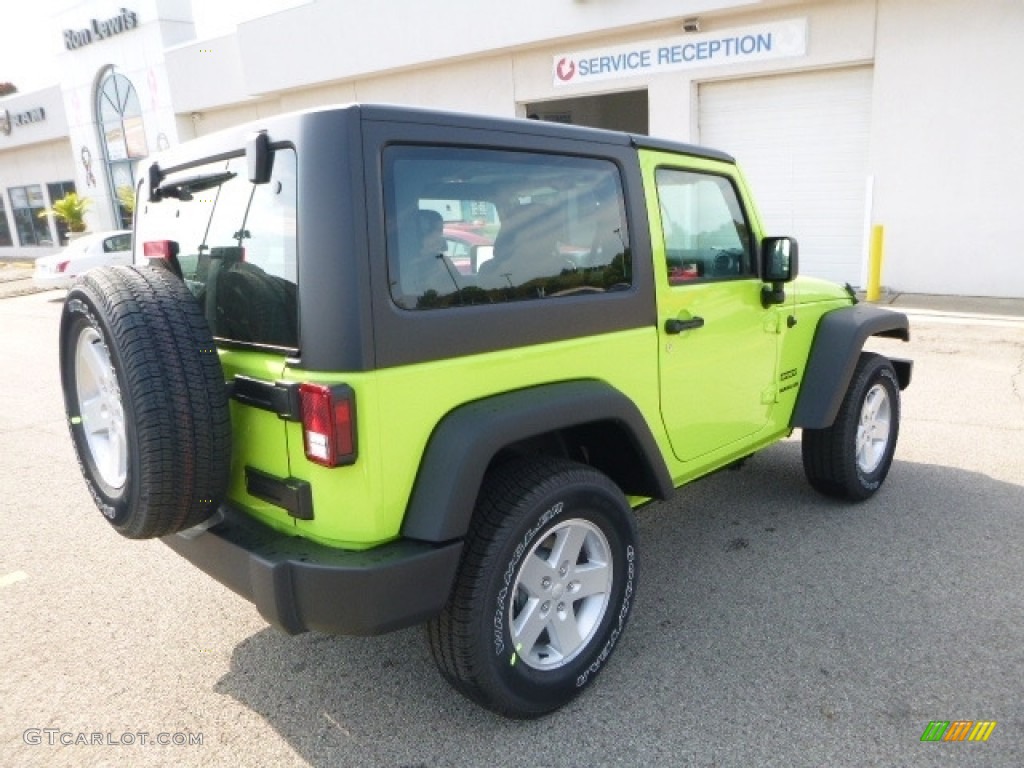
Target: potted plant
(70, 209)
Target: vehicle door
(718, 344)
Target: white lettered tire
(544, 591)
(145, 399)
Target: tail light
(163, 252)
(160, 249)
(328, 423)
(63, 265)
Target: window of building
(122, 136)
(5, 231)
(471, 226)
(26, 205)
(706, 233)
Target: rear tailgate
(234, 243)
(259, 459)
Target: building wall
(366, 40)
(41, 163)
(838, 34)
(519, 81)
(502, 83)
(32, 154)
(943, 115)
(486, 87)
(944, 111)
(947, 154)
(138, 54)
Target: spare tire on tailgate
(146, 400)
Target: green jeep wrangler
(376, 366)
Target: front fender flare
(465, 441)
(837, 345)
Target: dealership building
(844, 114)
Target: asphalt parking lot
(772, 627)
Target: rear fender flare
(465, 441)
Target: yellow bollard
(874, 291)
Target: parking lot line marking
(11, 578)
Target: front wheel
(852, 457)
(544, 590)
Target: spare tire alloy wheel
(544, 591)
(101, 412)
(851, 459)
(145, 398)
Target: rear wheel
(852, 457)
(544, 590)
(145, 398)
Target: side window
(470, 226)
(235, 245)
(117, 243)
(705, 230)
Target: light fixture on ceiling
(691, 25)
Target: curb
(16, 280)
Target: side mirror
(259, 157)
(779, 263)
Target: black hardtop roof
(397, 113)
(234, 137)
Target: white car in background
(100, 249)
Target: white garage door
(802, 141)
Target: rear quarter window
(234, 244)
(470, 226)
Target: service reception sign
(734, 46)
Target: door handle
(675, 325)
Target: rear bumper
(298, 585)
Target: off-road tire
(851, 458)
(145, 400)
(529, 511)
